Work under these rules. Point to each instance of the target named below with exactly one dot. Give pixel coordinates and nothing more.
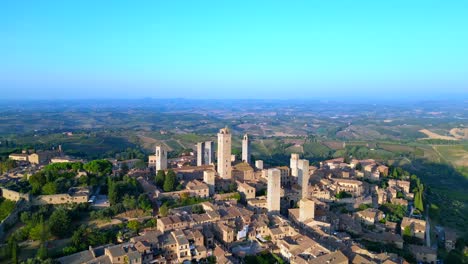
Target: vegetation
(85, 236)
(264, 258)
(343, 194)
(118, 187)
(6, 207)
(60, 222)
(170, 181)
(393, 212)
(159, 179)
(163, 210)
(99, 167)
(7, 165)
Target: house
(355, 187)
(19, 157)
(120, 254)
(224, 232)
(336, 257)
(292, 247)
(369, 216)
(417, 227)
(243, 171)
(399, 201)
(424, 254)
(246, 191)
(198, 189)
(399, 184)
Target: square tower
(246, 149)
(209, 179)
(209, 153)
(293, 163)
(224, 153)
(303, 177)
(306, 209)
(161, 158)
(200, 153)
(273, 190)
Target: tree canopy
(99, 167)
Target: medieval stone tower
(303, 177)
(161, 158)
(224, 153)
(306, 210)
(200, 153)
(209, 153)
(273, 190)
(246, 149)
(293, 164)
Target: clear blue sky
(254, 49)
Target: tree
(232, 187)
(159, 179)
(133, 225)
(418, 198)
(13, 246)
(49, 188)
(163, 210)
(359, 167)
(44, 236)
(124, 168)
(140, 164)
(99, 167)
(129, 202)
(144, 202)
(197, 209)
(60, 222)
(407, 232)
(170, 181)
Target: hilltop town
(198, 208)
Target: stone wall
(58, 199)
(12, 195)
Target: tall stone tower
(303, 177)
(273, 190)
(161, 158)
(209, 153)
(209, 179)
(224, 153)
(293, 164)
(200, 153)
(306, 209)
(246, 149)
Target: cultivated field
(454, 154)
(432, 135)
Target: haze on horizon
(216, 49)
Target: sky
(233, 49)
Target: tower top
(246, 137)
(224, 130)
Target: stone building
(246, 149)
(224, 153)
(303, 177)
(306, 210)
(293, 164)
(200, 153)
(246, 191)
(209, 153)
(161, 158)
(209, 179)
(273, 190)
